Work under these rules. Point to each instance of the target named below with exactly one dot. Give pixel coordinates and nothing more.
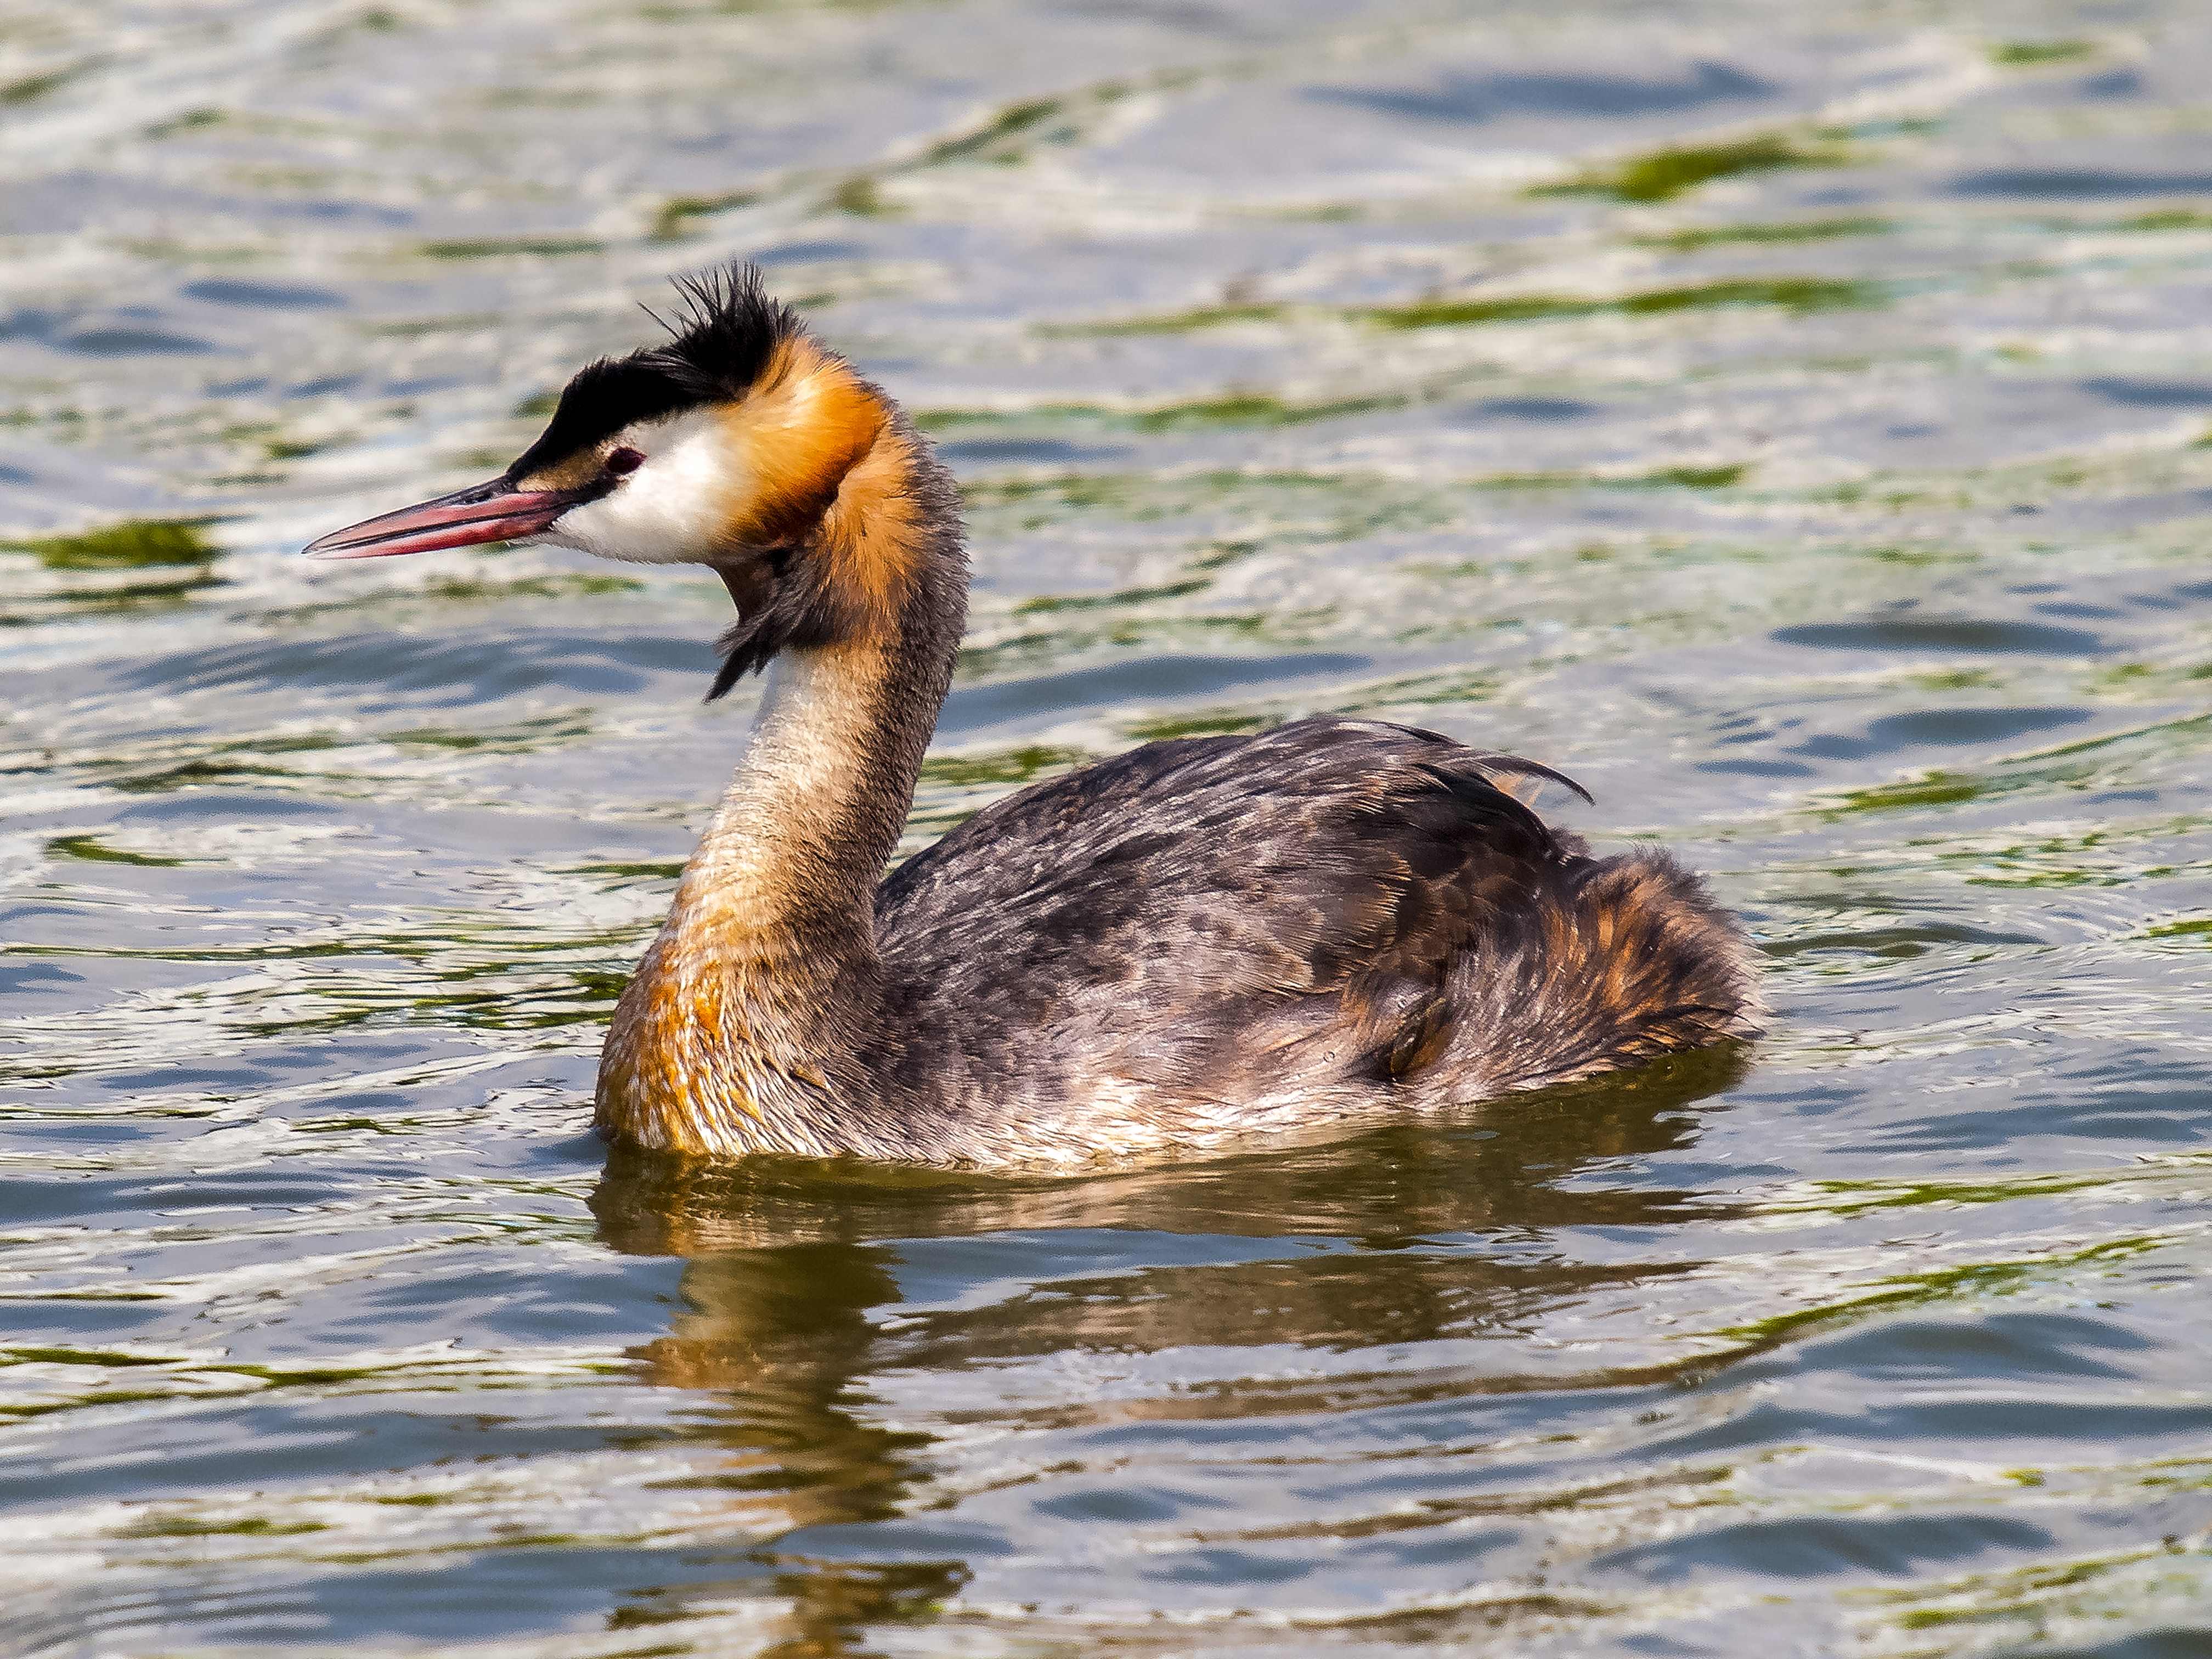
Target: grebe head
(727, 445)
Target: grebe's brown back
(1196, 940)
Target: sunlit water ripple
(1797, 423)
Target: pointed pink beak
(494, 511)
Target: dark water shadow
(1377, 1239)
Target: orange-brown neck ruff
(744, 1028)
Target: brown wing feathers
(1434, 929)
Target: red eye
(624, 459)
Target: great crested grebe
(1197, 939)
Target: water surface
(1793, 422)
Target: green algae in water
(92, 850)
(2168, 219)
(1799, 294)
(1724, 477)
(158, 594)
(863, 198)
(1663, 174)
(673, 217)
(1179, 322)
(1227, 723)
(2198, 928)
(1020, 765)
(618, 871)
(1935, 788)
(1256, 409)
(31, 87)
(136, 544)
(1784, 233)
(510, 247)
(553, 585)
(1127, 596)
(249, 1527)
(2018, 54)
(1229, 411)
(191, 120)
(524, 738)
(1721, 475)
(1904, 1291)
(65, 1356)
(991, 140)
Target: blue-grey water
(1795, 421)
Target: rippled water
(1792, 421)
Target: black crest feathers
(723, 338)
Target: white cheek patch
(676, 507)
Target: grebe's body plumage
(1214, 936)
(1193, 942)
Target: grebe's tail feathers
(1622, 960)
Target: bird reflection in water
(791, 1289)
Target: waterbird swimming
(1198, 940)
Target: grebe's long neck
(749, 1025)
